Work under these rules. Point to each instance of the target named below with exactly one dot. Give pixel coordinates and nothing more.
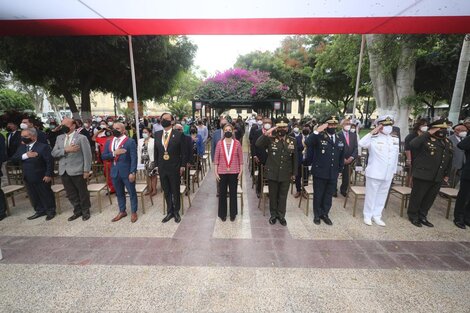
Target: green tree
(14, 100)
(68, 66)
(180, 108)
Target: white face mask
(352, 130)
(110, 123)
(463, 134)
(24, 126)
(267, 126)
(260, 122)
(347, 128)
(102, 126)
(145, 135)
(424, 129)
(99, 119)
(296, 130)
(387, 130)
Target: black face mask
(166, 123)
(193, 132)
(228, 134)
(281, 132)
(9, 129)
(331, 131)
(26, 140)
(440, 133)
(65, 129)
(116, 133)
(305, 132)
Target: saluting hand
(269, 133)
(376, 130)
(322, 127)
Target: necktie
(333, 138)
(67, 140)
(166, 135)
(346, 135)
(28, 147)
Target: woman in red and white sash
(228, 167)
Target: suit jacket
(260, 152)
(465, 146)
(189, 147)
(150, 147)
(13, 143)
(34, 169)
(3, 153)
(126, 163)
(73, 163)
(458, 159)
(328, 157)
(42, 137)
(177, 147)
(215, 139)
(351, 149)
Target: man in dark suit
(260, 154)
(301, 155)
(216, 136)
(29, 123)
(327, 163)
(122, 151)
(13, 139)
(171, 158)
(3, 158)
(462, 204)
(38, 167)
(350, 152)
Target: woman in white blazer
(146, 160)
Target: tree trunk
(71, 102)
(86, 104)
(459, 87)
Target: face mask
(267, 126)
(347, 128)
(260, 122)
(331, 131)
(193, 132)
(26, 140)
(228, 134)
(353, 130)
(99, 119)
(23, 126)
(116, 133)
(296, 130)
(463, 134)
(424, 129)
(305, 132)
(281, 132)
(65, 129)
(110, 123)
(103, 126)
(387, 130)
(183, 123)
(440, 133)
(166, 123)
(145, 135)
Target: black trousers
(41, 196)
(422, 197)
(230, 181)
(278, 191)
(298, 183)
(77, 192)
(3, 203)
(259, 182)
(170, 181)
(345, 179)
(462, 204)
(323, 190)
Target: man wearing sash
(281, 167)
(122, 152)
(171, 158)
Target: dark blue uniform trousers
(323, 190)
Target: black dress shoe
(344, 194)
(316, 220)
(50, 217)
(36, 215)
(272, 220)
(327, 220)
(282, 221)
(177, 218)
(85, 217)
(460, 224)
(168, 217)
(223, 219)
(425, 222)
(74, 217)
(416, 223)
(335, 195)
(232, 219)
(2, 217)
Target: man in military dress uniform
(327, 163)
(281, 167)
(432, 164)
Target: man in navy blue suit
(216, 136)
(3, 157)
(302, 155)
(122, 151)
(38, 167)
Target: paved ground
(205, 265)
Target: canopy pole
(358, 78)
(134, 88)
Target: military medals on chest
(228, 154)
(165, 142)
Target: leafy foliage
(14, 100)
(180, 109)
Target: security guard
(432, 164)
(384, 147)
(281, 167)
(327, 163)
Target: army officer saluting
(281, 167)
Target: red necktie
(346, 135)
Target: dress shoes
(327, 220)
(223, 219)
(85, 217)
(460, 224)
(168, 217)
(177, 217)
(133, 217)
(378, 221)
(316, 221)
(232, 219)
(344, 194)
(272, 220)
(335, 195)
(417, 223)
(50, 217)
(425, 222)
(36, 215)
(119, 216)
(2, 217)
(298, 194)
(282, 221)
(368, 221)
(73, 217)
